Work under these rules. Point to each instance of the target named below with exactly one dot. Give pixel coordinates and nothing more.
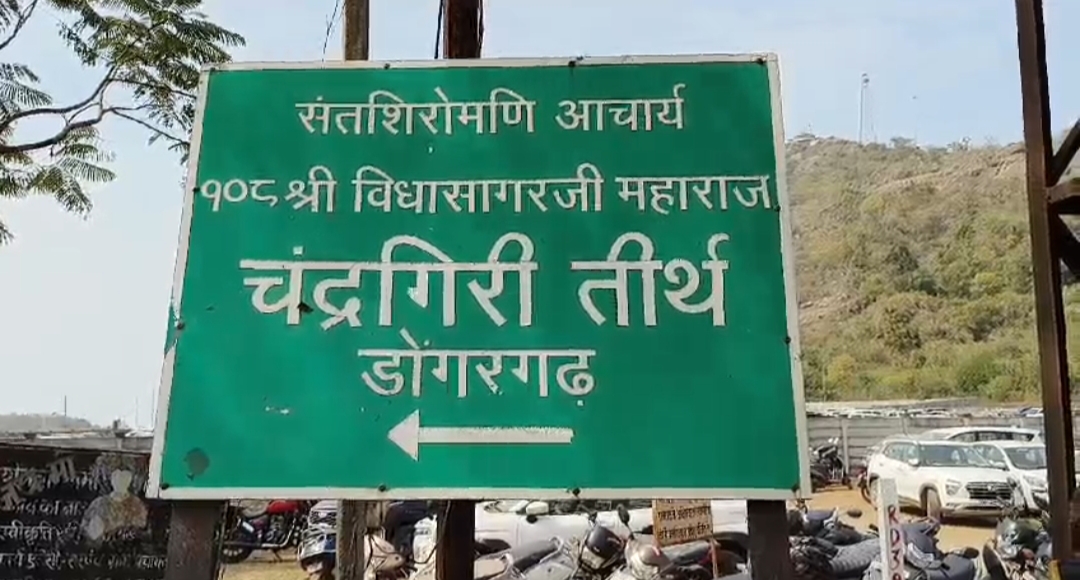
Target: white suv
(1025, 461)
(977, 433)
(941, 477)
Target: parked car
(973, 434)
(517, 522)
(1025, 461)
(940, 477)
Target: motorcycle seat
(528, 555)
(486, 568)
(253, 509)
(691, 572)
(819, 516)
(814, 520)
(951, 567)
(687, 554)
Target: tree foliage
(149, 54)
(914, 272)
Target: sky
(83, 303)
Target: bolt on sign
(680, 521)
(485, 279)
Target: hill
(914, 271)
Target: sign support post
(352, 515)
(463, 36)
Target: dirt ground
(953, 535)
(261, 567)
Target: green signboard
(485, 279)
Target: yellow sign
(679, 521)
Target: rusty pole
(1046, 225)
(462, 38)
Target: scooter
(383, 560)
(1021, 547)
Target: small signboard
(67, 514)
(681, 521)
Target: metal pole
(1046, 271)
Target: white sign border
(770, 60)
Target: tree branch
(151, 127)
(117, 59)
(14, 117)
(144, 84)
(58, 137)
(24, 16)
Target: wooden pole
(192, 552)
(461, 29)
(356, 29)
(456, 551)
(770, 557)
(352, 516)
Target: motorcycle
(541, 560)
(861, 479)
(601, 551)
(827, 467)
(860, 472)
(381, 560)
(824, 524)
(274, 526)
(923, 560)
(1020, 548)
(823, 546)
(644, 561)
(388, 554)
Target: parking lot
(953, 535)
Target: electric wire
(330, 23)
(439, 27)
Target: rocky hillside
(914, 270)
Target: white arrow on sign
(409, 435)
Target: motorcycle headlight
(952, 487)
(1036, 483)
(591, 559)
(642, 571)
(1007, 548)
(917, 557)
